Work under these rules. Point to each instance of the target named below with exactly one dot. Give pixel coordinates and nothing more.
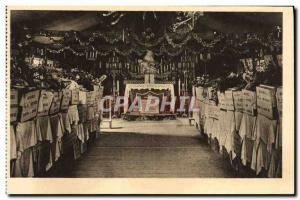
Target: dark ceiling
(225, 22)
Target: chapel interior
(67, 68)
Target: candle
(118, 86)
(179, 87)
(208, 56)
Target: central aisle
(150, 149)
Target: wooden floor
(150, 149)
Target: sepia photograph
(150, 94)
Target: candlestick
(179, 87)
(118, 86)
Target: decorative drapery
(126, 42)
(153, 86)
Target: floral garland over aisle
(126, 40)
(163, 45)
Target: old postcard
(150, 100)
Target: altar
(148, 88)
(144, 90)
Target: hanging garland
(174, 45)
(63, 49)
(165, 45)
(138, 41)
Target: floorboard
(166, 149)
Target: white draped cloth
(247, 135)
(148, 86)
(222, 130)
(43, 129)
(73, 114)
(57, 132)
(229, 130)
(13, 143)
(264, 135)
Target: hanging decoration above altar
(166, 44)
(128, 33)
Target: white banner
(229, 100)
(13, 105)
(238, 100)
(29, 104)
(66, 98)
(75, 97)
(265, 103)
(56, 101)
(222, 101)
(45, 102)
(249, 102)
(90, 98)
(213, 111)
